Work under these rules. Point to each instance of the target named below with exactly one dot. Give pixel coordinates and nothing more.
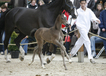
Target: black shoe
(49, 53)
(25, 53)
(104, 57)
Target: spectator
(32, 5)
(97, 13)
(17, 3)
(2, 33)
(103, 27)
(105, 5)
(68, 38)
(40, 3)
(27, 39)
(96, 2)
(95, 39)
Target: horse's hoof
(21, 58)
(44, 63)
(47, 60)
(66, 69)
(8, 61)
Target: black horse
(25, 20)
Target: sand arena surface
(55, 68)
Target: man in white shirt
(85, 16)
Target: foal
(51, 35)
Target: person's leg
(25, 46)
(104, 43)
(94, 39)
(67, 45)
(55, 48)
(44, 48)
(77, 46)
(3, 37)
(86, 41)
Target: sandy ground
(55, 68)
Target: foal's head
(63, 19)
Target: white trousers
(84, 39)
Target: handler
(85, 16)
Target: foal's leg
(40, 45)
(67, 56)
(34, 52)
(62, 49)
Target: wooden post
(80, 52)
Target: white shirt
(84, 18)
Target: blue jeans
(103, 34)
(25, 46)
(95, 39)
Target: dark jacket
(21, 3)
(103, 19)
(91, 4)
(97, 13)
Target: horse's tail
(33, 32)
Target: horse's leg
(17, 41)
(8, 32)
(34, 52)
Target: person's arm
(101, 24)
(92, 4)
(93, 17)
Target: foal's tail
(33, 32)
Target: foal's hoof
(47, 60)
(70, 61)
(21, 58)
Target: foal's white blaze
(22, 51)
(64, 15)
(6, 57)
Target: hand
(98, 21)
(103, 29)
